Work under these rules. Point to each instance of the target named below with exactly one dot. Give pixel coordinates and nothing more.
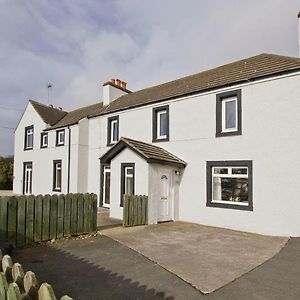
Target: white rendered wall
(270, 138)
(140, 184)
(42, 159)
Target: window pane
(230, 114)
(220, 171)
(129, 171)
(58, 176)
(129, 186)
(62, 137)
(230, 189)
(107, 187)
(114, 131)
(243, 171)
(163, 124)
(30, 140)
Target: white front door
(165, 200)
(106, 187)
(27, 184)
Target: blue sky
(78, 45)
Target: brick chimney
(114, 89)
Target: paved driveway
(206, 257)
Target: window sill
(228, 133)
(157, 140)
(26, 149)
(111, 144)
(56, 190)
(231, 205)
(59, 145)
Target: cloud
(78, 45)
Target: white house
(219, 148)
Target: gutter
(69, 159)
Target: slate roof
(50, 115)
(151, 153)
(233, 73)
(73, 117)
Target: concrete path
(206, 257)
(100, 268)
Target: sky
(78, 45)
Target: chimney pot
(113, 81)
(118, 82)
(124, 85)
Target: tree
(6, 172)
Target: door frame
(169, 173)
(25, 165)
(104, 169)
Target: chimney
(299, 34)
(113, 89)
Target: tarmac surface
(101, 268)
(206, 257)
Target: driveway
(99, 268)
(206, 257)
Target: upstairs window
(127, 180)
(60, 137)
(112, 130)
(229, 184)
(28, 144)
(160, 124)
(44, 140)
(57, 175)
(229, 114)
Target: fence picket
(74, 211)
(85, 213)
(46, 218)
(80, 214)
(67, 215)
(38, 218)
(21, 221)
(53, 216)
(60, 215)
(12, 219)
(30, 219)
(3, 218)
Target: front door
(27, 183)
(106, 187)
(165, 199)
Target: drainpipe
(69, 158)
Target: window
(60, 137)
(112, 130)
(127, 180)
(229, 184)
(44, 140)
(229, 114)
(160, 123)
(57, 175)
(28, 144)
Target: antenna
(49, 87)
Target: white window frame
(224, 101)
(44, 144)
(28, 132)
(60, 141)
(158, 114)
(228, 175)
(57, 167)
(126, 175)
(113, 123)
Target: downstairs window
(229, 184)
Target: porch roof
(151, 153)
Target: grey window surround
(219, 98)
(25, 138)
(154, 124)
(55, 163)
(109, 122)
(123, 166)
(57, 134)
(229, 163)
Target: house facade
(219, 148)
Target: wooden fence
(16, 284)
(135, 210)
(28, 219)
